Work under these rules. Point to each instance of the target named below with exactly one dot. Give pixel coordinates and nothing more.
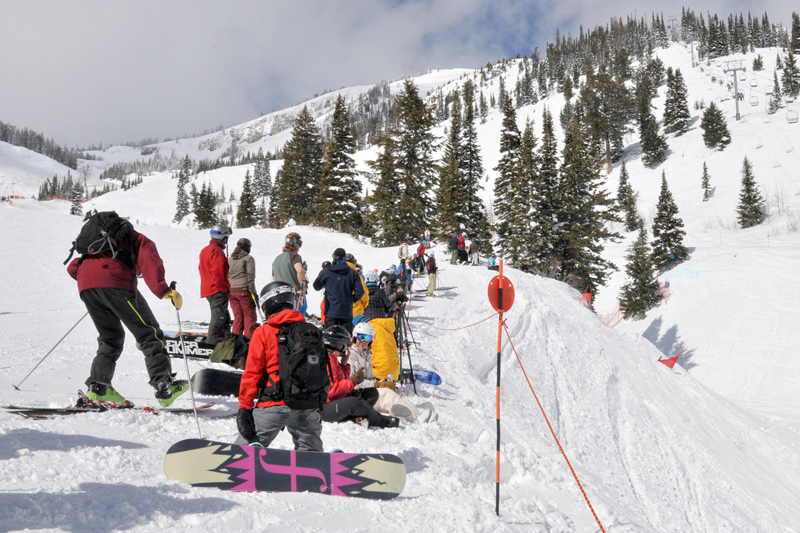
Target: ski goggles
(292, 240)
(364, 337)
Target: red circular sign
(501, 293)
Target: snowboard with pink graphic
(204, 463)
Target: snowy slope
(22, 171)
(655, 449)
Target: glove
(246, 425)
(175, 296)
(254, 299)
(358, 377)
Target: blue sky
(93, 71)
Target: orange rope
(585, 497)
(462, 327)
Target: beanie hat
(339, 254)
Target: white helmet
(364, 328)
(431, 253)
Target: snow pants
(431, 283)
(219, 324)
(109, 310)
(354, 407)
(304, 425)
(244, 313)
(453, 256)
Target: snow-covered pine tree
(548, 198)
(183, 204)
(583, 217)
(340, 191)
(668, 248)
(776, 99)
(676, 109)
(76, 208)
(715, 128)
(750, 211)
(301, 172)
(262, 182)
(205, 214)
(274, 218)
(247, 213)
(639, 294)
(607, 104)
(791, 75)
(627, 201)
(526, 238)
(654, 145)
(706, 183)
(476, 226)
(385, 215)
(507, 167)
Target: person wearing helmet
(380, 304)
(261, 418)
(430, 265)
(342, 403)
(360, 305)
(242, 278)
(343, 287)
(288, 267)
(214, 284)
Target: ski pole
(51, 350)
(186, 362)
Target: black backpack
(105, 232)
(303, 368)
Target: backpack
(104, 232)
(303, 368)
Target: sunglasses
(298, 242)
(364, 337)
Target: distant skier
(431, 266)
(214, 284)
(108, 287)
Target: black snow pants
(219, 326)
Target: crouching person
(343, 404)
(262, 410)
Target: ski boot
(167, 391)
(99, 392)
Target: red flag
(669, 362)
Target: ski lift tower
(733, 66)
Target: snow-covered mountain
(713, 445)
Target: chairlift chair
(753, 82)
(754, 101)
(742, 76)
(769, 89)
(791, 116)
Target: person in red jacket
(108, 288)
(214, 284)
(261, 418)
(342, 403)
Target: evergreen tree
(77, 205)
(301, 172)
(475, 224)
(627, 201)
(715, 128)
(654, 145)
(262, 182)
(526, 240)
(508, 168)
(275, 219)
(668, 234)
(340, 191)
(607, 103)
(640, 293)
(247, 214)
(706, 183)
(451, 215)
(751, 204)
(791, 75)
(386, 213)
(584, 214)
(183, 204)
(776, 99)
(676, 109)
(548, 199)
(205, 214)
(193, 196)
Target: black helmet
(336, 338)
(221, 232)
(350, 258)
(276, 296)
(244, 244)
(325, 264)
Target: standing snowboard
(216, 382)
(204, 463)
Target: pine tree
(301, 172)
(507, 167)
(776, 99)
(608, 105)
(706, 183)
(386, 213)
(475, 225)
(640, 293)
(654, 145)
(451, 216)
(668, 234)
(676, 109)
(715, 128)
(183, 204)
(340, 191)
(791, 75)
(584, 214)
(205, 214)
(526, 239)
(751, 203)
(627, 201)
(247, 213)
(77, 205)
(262, 182)
(548, 200)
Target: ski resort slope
(655, 449)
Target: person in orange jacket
(214, 284)
(261, 418)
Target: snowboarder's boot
(390, 422)
(104, 393)
(167, 391)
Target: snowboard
(195, 342)
(97, 407)
(204, 463)
(215, 382)
(427, 376)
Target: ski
(85, 405)
(233, 467)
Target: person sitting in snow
(343, 404)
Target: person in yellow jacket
(359, 306)
(385, 357)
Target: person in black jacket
(431, 266)
(381, 305)
(453, 246)
(342, 287)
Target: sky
(91, 71)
